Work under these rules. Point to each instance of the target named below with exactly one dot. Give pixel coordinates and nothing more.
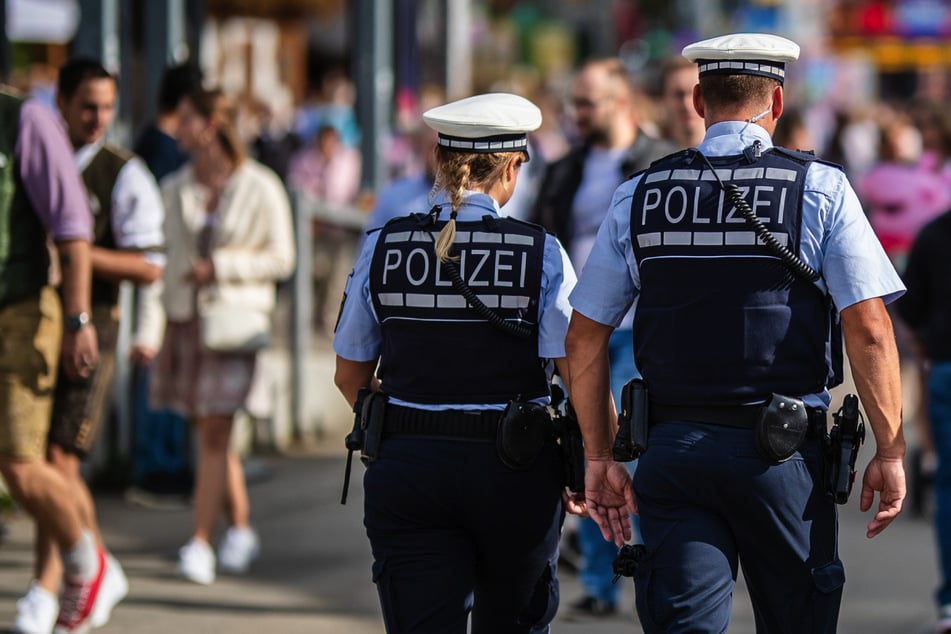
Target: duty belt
(738, 416)
(456, 424)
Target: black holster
(633, 422)
(842, 449)
(522, 433)
(368, 412)
(568, 433)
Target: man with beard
(574, 198)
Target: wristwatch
(74, 323)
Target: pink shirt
(335, 182)
(50, 175)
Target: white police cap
(493, 122)
(758, 54)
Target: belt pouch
(523, 430)
(782, 428)
(374, 412)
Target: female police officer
(464, 311)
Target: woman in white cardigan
(229, 236)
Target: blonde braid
(457, 172)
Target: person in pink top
(328, 170)
(41, 198)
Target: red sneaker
(77, 600)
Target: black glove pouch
(782, 428)
(523, 431)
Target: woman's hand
(202, 273)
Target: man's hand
(887, 476)
(80, 352)
(609, 495)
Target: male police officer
(734, 347)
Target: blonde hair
(215, 105)
(457, 172)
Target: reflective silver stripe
(740, 237)
(514, 301)
(399, 236)
(685, 175)
(708, 238)
(779, 174)
(662, 175)
(491, 301)
(420, 300)
(489, 238)
(677, 237)
(450, 301)
(705, 238)
(390, 299)
(514, 238)
(748, 173)
(517, 144)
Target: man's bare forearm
(873, 356)
(76, 269)
(586, 346)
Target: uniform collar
(474, 206)
(732, 137)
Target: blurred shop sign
(47, 21)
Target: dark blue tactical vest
(720, 319)
(436, 348)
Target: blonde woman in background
(230, 238)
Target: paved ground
(314, 572)
(313, 575)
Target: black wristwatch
(74, 323)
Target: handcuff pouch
(782, 428)
(523, 430)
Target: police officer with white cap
(736, 332)
(463, 310)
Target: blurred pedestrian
(682, 125)
(230, 239)
(573, 200)
(44, 196)
(737, 348)
(156, 144)
(327, 172)
(926, 308)
(457, 523)
(127, 244)
(162, 474)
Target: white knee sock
(81, 562)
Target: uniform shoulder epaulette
(524, 223)
(679, 154)
(804, 156)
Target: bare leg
(211, 477)
(237, 494)
(45, 495)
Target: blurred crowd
(896, 154)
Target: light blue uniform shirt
(358, 336)
(400, 198)
(836, 240)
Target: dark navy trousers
(708, 503)
(454, 532)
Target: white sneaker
(114, 588)
(196, 562)
(238, 548)
(77, 598)
(36, 611)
